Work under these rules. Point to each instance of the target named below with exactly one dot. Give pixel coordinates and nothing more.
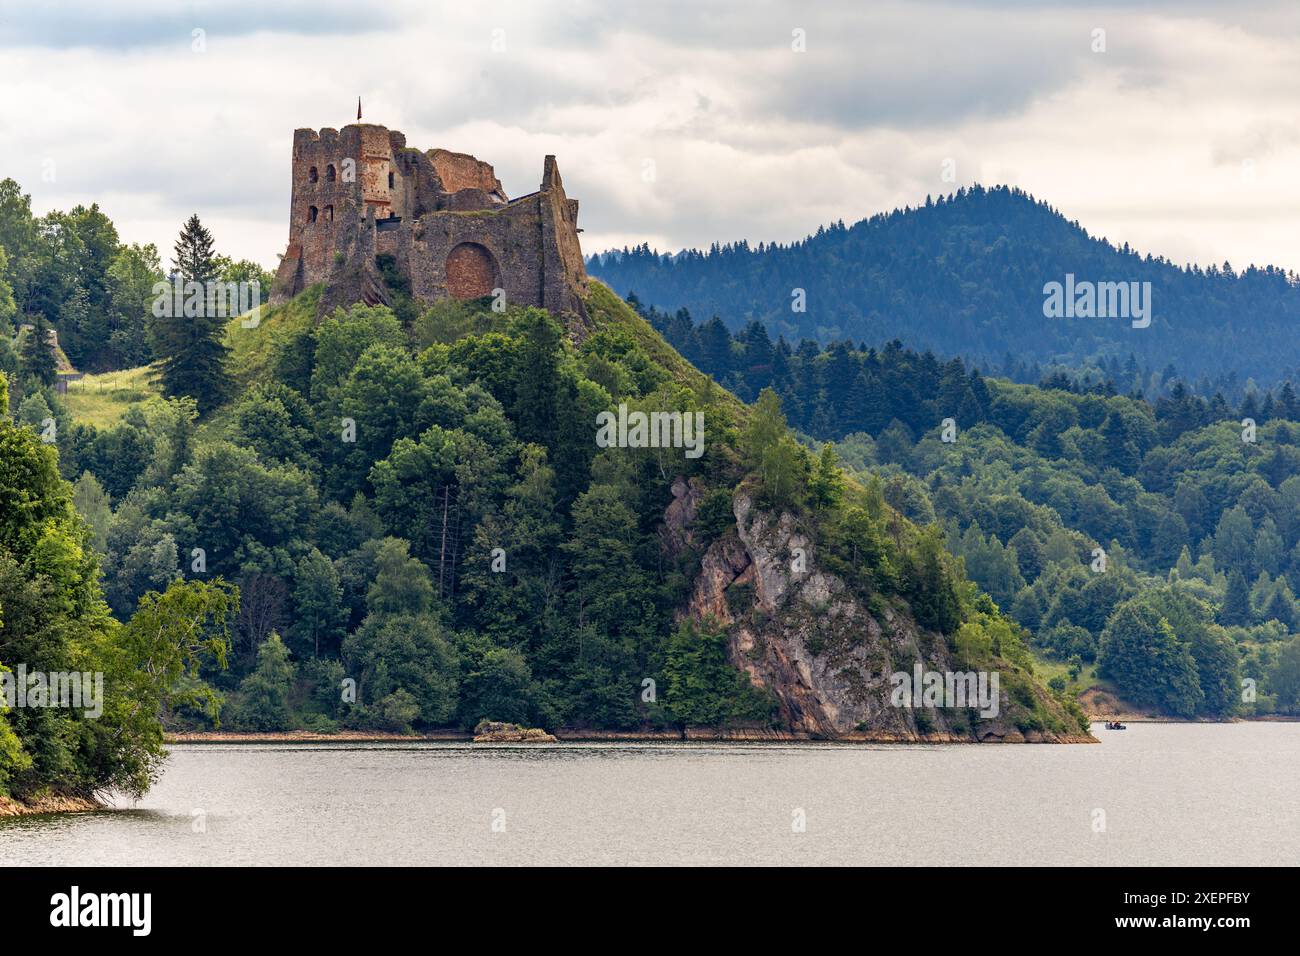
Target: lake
(1168, 794)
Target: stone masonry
(361, 193)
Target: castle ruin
(362, 197)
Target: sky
(1172, 126)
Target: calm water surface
(1170, 794)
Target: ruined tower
(439, 219)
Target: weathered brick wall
(325, 196)
(471, 271)
(510, 238)
(566, 274)
(376, 164)
(462, 171)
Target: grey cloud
(67, 24)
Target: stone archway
(471, 271)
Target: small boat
(1115, 725)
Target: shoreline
(48, 804)
(692, 735)
(1158, 719)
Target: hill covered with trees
(424, 533)
(964, 275)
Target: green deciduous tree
(702, 688)
(770, 451)
(92, 503)
(826, 484)
(1284, 676)
(319, 614)
(263, 702)
(401, 583)
(1148, 662)
(7, 306)
(407, 655)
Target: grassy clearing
(252, 347)
(607, 309)
(1047, 669)
(101, 400)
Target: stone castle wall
(442, 216)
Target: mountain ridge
(964, 275)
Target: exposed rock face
(676, 533)
(801, 632)
(48, 803)
(497, 732)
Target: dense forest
(373, 557)
(1196, 511)
(70, 271)
(408, 525)
(55, 622)
(964, 275)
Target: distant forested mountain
(964, 275)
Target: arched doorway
(471, 271)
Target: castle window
(312, 175)
(329, 172)
(329, 213)
(390, 180)
(311, 213)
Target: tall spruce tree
(36, 357)
(1236, 602)
(195, 260)
(187, 340)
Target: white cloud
(1180, 139)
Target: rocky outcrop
(801, 632)
(497, 732)
(47, 803)
(676, 533)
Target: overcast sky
(676, 124)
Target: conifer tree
(1280, 608)
(36, 356)
(826, 486)
(191, 354)
(195, 260)
(1236, 602)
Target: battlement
(361, 192)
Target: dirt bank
(47, 804)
